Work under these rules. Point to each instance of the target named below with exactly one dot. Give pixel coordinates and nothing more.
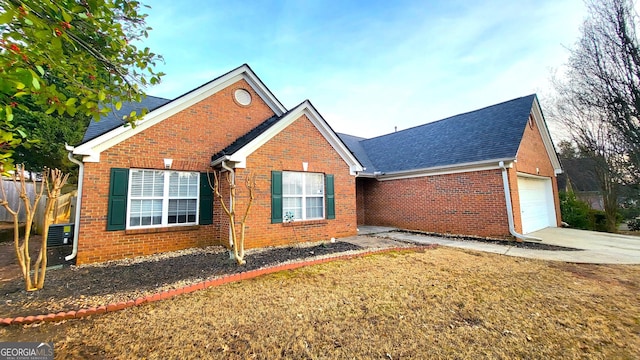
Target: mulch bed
(72, 288)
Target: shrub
(634, 224)
(597, 220)
(575, 212)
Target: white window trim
(305, 196)
(165, 201)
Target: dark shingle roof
(354, 145)
(248, 137)
(114, 118)
(490, 133)
(582, 174)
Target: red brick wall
(360, 197)
(189, 138)
(532, 158)
(299, 142)
(470, 203)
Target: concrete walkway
(596, 248)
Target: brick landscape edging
(20, 320)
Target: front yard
(439, 303)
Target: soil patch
(72, 287)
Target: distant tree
(566, 150)
(48, 135)
(599, 98)
(603, 76)
(69, 57)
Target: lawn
(439, 303)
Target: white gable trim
(536, 112)
(239, 158)
(92, 148)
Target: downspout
(231, 204)
(76, 225)
(507, 196)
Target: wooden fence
(62, 211)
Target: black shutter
(276, 197)
(206, 201)
(330, 197)
(117, 210)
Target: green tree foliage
(69, 57)
(574, 211)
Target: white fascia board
(493, 164)
(305, 108)
(94, 147)
(526, 175)
(536, 112)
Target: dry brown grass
(442, 303)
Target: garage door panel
(537, 208)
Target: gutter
(507, 195)
(76, 225)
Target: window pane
(136, 183)
(314, 207)
(291, 183)
(145, 212)
(147, 183)
(314, 184)
(183, 184)
(292, 208)
(173, 184)
(182, 211)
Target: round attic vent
(243, 97)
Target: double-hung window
(303, 196)
(162, 198)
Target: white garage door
(536, 203)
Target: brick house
(144, 189)
(490, 172)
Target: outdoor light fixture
(305, 166)
(167, 163)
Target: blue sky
(370, 66)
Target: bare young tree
(52, 181)
(230, 210)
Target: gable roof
(582, 174)
(101, 137)
(238, 151)
(483, 136)
(114, 118)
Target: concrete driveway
(595, 247)
(598, 247)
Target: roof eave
(491, 164)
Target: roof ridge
(453, 116)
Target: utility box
(60, 234)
